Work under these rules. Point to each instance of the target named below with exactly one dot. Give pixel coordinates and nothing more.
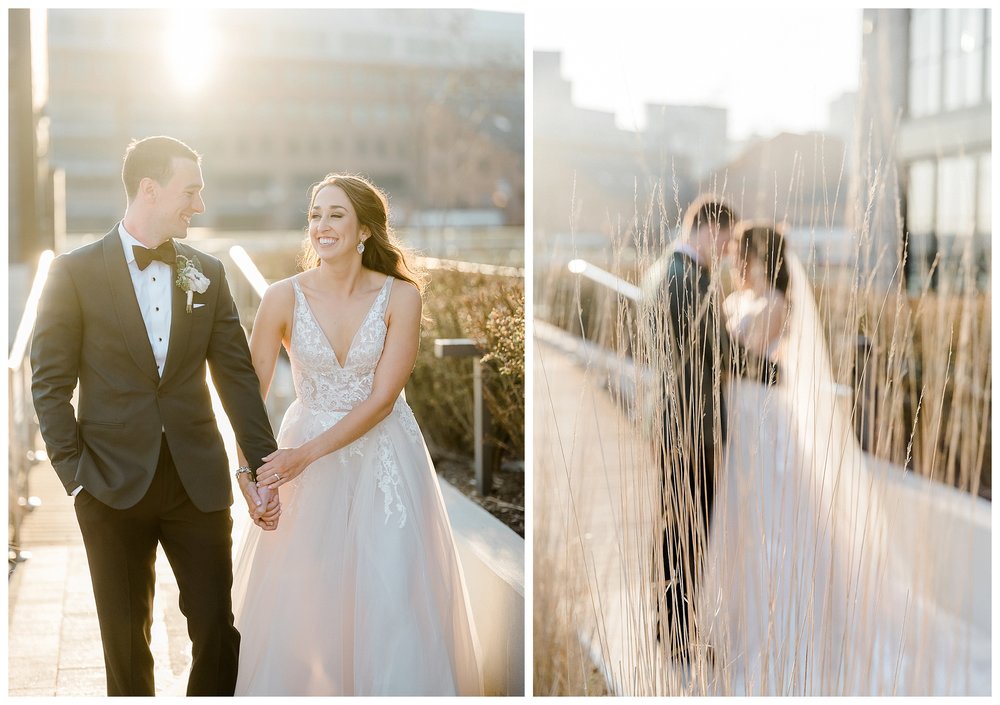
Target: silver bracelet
(243, 469)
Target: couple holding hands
(353, 585)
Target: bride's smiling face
(333, 224)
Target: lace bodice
(321, 383)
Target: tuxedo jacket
(90, 332)
(683, 313)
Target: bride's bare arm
(398, 357)
(271, 328)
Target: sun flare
(190, 49)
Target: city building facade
(600, 182)
(927, 102)
(427, 103)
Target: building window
(920, 199)
(984, 206)
(956, 197)
(334, 113)
(988, 56)
(949, 60)
(963, 58)
(925, 62)
(948, 214)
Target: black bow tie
(164, 253)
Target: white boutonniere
(190, 278)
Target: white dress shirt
(154, 293)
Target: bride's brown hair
(383, 251)
(765, 243)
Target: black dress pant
(688, 492)
(121, 551)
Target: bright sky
(775, 69)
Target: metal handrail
(622, 373)
(20, 346)
(22, 426)
(249, 269)
(605, 278)
(281, 392)
(483, 450)
(470, 267)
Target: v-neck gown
(359, 591)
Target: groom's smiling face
(179, 199)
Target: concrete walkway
(596, 491)
(53, 642)
(590, 475)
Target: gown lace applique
(359, 591)
(388, 481)
(407, 418)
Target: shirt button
(154, 279)
(160, 339)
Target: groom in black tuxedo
(683, 312)
(143, 455)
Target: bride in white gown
(813, 586)
(359, 590)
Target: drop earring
(361, 247)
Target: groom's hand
(252, 495)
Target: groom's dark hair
(153, 157)
(709, 209)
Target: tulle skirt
(816, 574)
(359, 591)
